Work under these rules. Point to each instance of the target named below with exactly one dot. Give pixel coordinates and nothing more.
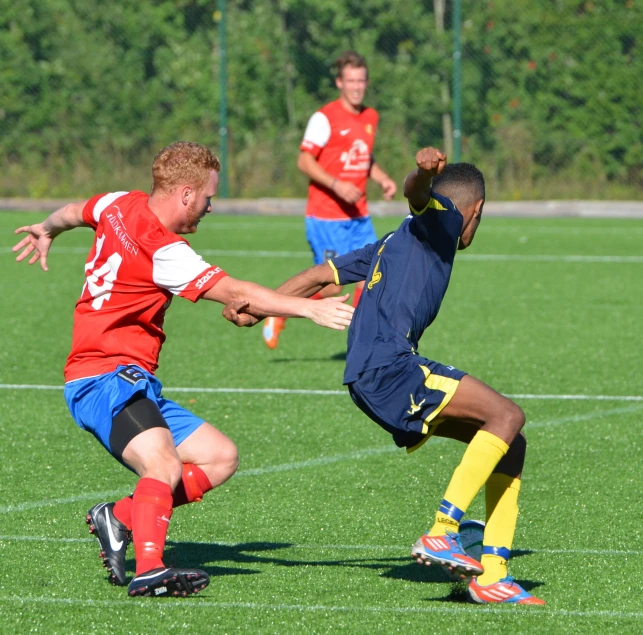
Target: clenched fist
(431, 160)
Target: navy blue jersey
(407, 274)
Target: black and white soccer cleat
(112, 536)
(168, 582)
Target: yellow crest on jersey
(368, 128)
(377, 274)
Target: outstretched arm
(40, 236)
(309, 281)
(302, 285)
(417, 185)
(242, 297)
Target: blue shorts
(95, 401)
(331, 238)
(406, 397)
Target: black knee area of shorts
(139, 414)
(512, 463)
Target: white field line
(581, 229)
(584, 417)
(244, 253)
(303, 391)
(256, 606)
(323, 460)
(549, 258)
(89, 496)
(296, 465)
(260, 471)
(396, 549)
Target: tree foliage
(91, 90)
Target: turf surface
(314, 532)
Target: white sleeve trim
(175, 265)
(105, 202)
(318, 130)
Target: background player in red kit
(137, 264)
(336, 154)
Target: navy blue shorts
(406, 397)
(95, 401)
(331, 238)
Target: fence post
(223, 101)
(457, 81)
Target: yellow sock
(501, 495)
(479, 460)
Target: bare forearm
(377, 174)
(417, 187)
(307, 164)
(308, 282)
(265, 302)
(65, 218)
(260, 301)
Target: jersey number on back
(101, 291)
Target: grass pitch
(314, 532)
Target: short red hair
(182, 162)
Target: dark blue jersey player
(406, 276)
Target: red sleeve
(311, 148)
(195, 289)
(88, 210)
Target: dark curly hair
(463, 183)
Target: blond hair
(182, 162)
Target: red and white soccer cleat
(271, 330)
(505, 591)
(446, 551)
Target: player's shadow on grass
(413, 572)
(200, 555)
(337, 357)
(204, 556)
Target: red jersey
(133, 270)
(342, 143)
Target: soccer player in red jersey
(336, 154)
(137, 264)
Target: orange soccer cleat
(505, 591)
(446, 551)
(271, 330)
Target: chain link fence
(550, 89)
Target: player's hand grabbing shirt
(133, 270)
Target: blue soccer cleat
(505, 591)
(446, 551)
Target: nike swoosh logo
(115, 544)
(344, 132)
(167, 520)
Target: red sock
(357, 294)
(151, 513)
(193, 484)
(193, 481)
(317, 296)
(123, 511)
